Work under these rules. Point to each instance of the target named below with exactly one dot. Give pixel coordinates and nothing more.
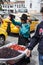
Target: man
(37, 38)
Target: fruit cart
(13, 59)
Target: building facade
(13, 6)
(33, 6)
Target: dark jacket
(37, 38)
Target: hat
(23, 17)
(41, 10)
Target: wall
(35, 5)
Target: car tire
(2, 40)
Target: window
(17, 6)
(30, 5)
(22, 5)
(9, 0)
(3, 6)
(8, 6)
(11, 6)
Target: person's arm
(12, 17)
(35, 39)
(33, 42)
(15, 22)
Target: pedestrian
(37, 38)
(24, 33)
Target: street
(34, 58)
(11, 13)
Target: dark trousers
(40, 59)
(22, 40)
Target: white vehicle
(22, 10)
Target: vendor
(24, 32)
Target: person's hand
(11, 16)
(27, 52)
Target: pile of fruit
(8, 53)
(17, 47)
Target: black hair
(24, 17)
